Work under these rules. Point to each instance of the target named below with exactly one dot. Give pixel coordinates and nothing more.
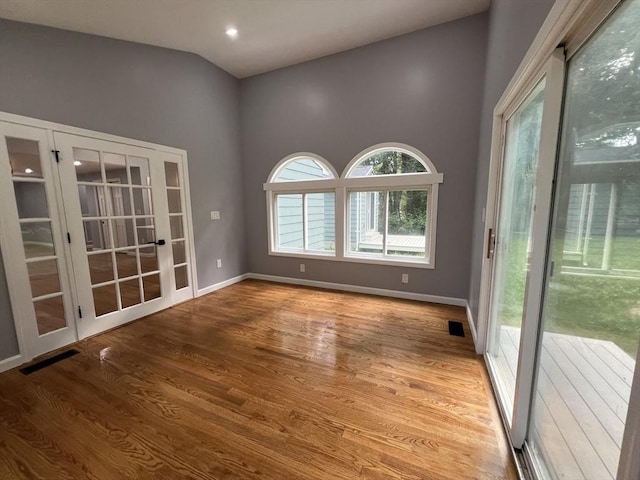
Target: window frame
(305, 239)
(342, 186)
(386, 258)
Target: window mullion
(305, 236)
(385, 231)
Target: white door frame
(88, 324)
(175, 154)
(553, 73)
(30, 342)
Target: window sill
(391, 262)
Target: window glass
(366, 223)
(290, 230)
(302, 169)
(407, 220)
(321, 221)
(386, 215)
(390, 162)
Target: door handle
(159, 242)
(491, 243)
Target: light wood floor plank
(262, 381)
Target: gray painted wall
(8, 339)
(512, 27)
(142, 92)
(423, 89)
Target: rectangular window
(305, 222)
(389, 223)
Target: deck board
(586, 394)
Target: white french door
(119, 245)
(94, 234)
(34, 244)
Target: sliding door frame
(553, 74)
(569, 24)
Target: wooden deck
(586, 384)
(400, 243)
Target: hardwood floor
(257, 381)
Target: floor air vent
(49, 361)
(455, 328)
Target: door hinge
(57, 154)
(79, 312)
(68, 237)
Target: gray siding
(320, 210)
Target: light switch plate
(215, 215)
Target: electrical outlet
(219, 262)
(405, 278)
(302, 267)
(215, 215)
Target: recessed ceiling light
(232, 32)
(28, 170)
(77, 163)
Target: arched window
(302, 206)
(381, 210)
(391, 198)
(301, 167)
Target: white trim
(420, 297)
(53, 127)
(403, 180)
(223, 284)
(341, 187)
(389, 146)
(390, 261)
(472, 328)
(629, 464)
(550, 126)
(11, 362)
(301, 156)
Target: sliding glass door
(517, 248)
(591, 313)
(514, 240)
(563, 249)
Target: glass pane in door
(591, 313)
(177, 224)
(115, 200)
(30, 190)
(514, 241)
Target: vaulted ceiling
(271, 33)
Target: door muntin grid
(32, 191)
(116, 199)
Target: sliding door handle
(491, 243)
(159, 242)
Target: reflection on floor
(262, 381)
(581, 403)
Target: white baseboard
(421, 297)
(11, 362)
(218, 286)
(472, 327)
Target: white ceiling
(272, 33)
